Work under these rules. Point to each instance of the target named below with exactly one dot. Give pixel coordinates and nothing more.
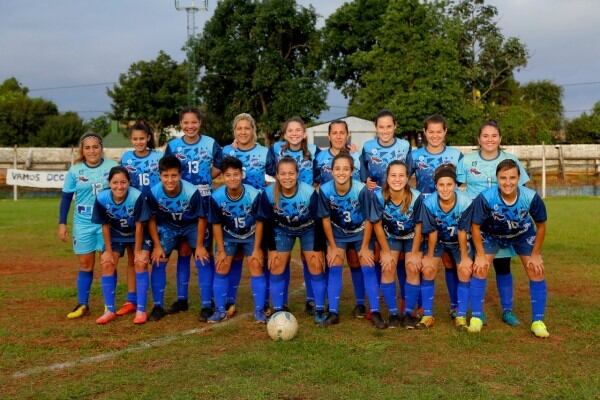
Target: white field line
(145, 345)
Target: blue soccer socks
(539, 293)
(477, 296)
(84, 284)
(334, 288)
(427, 295)
(206, 272)
(183, 276)
(108, 290)
(141, 283)
(158, 281)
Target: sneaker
(205, 314)
(426, 322)
(453, 313)
(510, 319)
(140, 318)
(107, 317)
(178, 306)
(332, 319)
(230, 309)
(359, 311)
(394, 321)
(260, 317)
(309, 308)
(460, 323)
(79, 311)
(377, 320)
(409, 321)
(157, 313)
(320, 316)
(475, 325)
(218, 316)
(126, 308)
(538, 328)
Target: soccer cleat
(310, 307)
(218, 316)
(510, 319)
(538, 328)
(260, 317)
(453, 313)
(418, 313)
(359, 311)
(320, 316)
(205, 314)
(140, 318)
(79, 311)
(178, 306)
(230, 308)
(395, 321)
(127, 308)
(377, 320)
(426, 322)
(107, 317)
(157, 313)
(475, 325)
(332, 319)
(409, 321)
(460, 323)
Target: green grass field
(179, 358)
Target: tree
(585, 128)
(545, 98)
(100, 125)
(260, 57)
(154, 90)
(21, 116)
(59, 131)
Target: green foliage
(154, 90)
(59, 131)
(585, 128)
(545, 99)
(520, 125)
(101, 125)
(260, 57)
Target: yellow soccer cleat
(460, 323)
(426, 322)
(538, 328)
(475, 325)
(79, 311)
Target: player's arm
(465, 259)
(139, 236)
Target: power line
(72, 86)
(579, 83)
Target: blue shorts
(453, 249)
(401, 245)
(522, 244)
(284, 242)
(506, 252)
(233, 248)
(355, 244)
(119, 247)
(87, 238)
(170, 238)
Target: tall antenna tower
(191, 9)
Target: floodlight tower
(191, 9)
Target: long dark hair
(118, 170)
(277, 188)
(406, 197)
(142, 125)
(304, 143)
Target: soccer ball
(282, 326)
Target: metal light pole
(191, 11)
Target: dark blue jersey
(323, 166)
(397, 224)
(347, 212)
(143, 171)
(423, 164)
(254, 161)
(306, 166)
(293, 215)
(375, 158)
(501, 220)
(237, 217)
(177, 211)
(197, 160)
(447, 224)
(120, 216)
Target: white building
(360, 129)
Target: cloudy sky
(50, 45)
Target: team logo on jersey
(497, 214)
(422, 163)
(83, 178)
(254, 162)
(180, 156)
(306, 164)
(376, 160)
(203, 154)
(474, 171)
(130, 168)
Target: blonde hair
(245, 117)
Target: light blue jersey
(86, 182)
(398, 225)
(293, 215)
(306, 166)
(197, 160)
(347, 212)
(254, 162)
(501, 220)
(237, 217)
(375, 158)
(423, 164)
(120, 216)
(143, 171)
(447, 224)
(479, 174)
(323, 166)
(179, 211)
